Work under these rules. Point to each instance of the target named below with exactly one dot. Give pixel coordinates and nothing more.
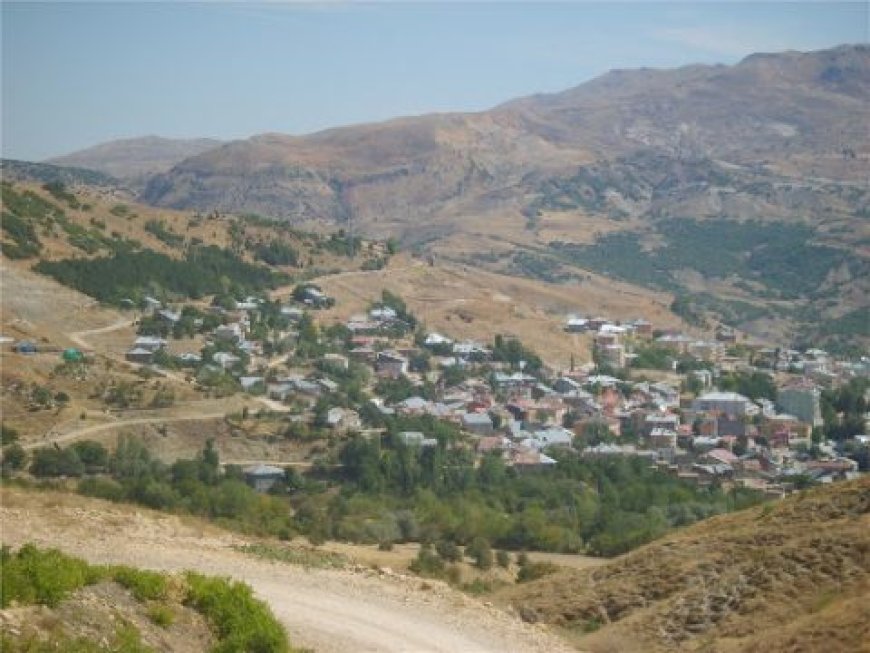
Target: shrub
(14, 457)
(145, 585)
(427, 563)
(161, 614)
(448, 551)
(503, 559)
(241, 622)
(481, 552)
(534, 570)
(41, 576)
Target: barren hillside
(793, 576)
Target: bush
(481, 552)
(14, 457)
(161, 614)
(41, 576)
(241, 622)
(503, 559)
(145, 585)
(427, 563)
(534, 570)
(448, 551)
(56, 462)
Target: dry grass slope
(788, 577)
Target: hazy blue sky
(75, 74)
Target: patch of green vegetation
(343, 244)
(536, 266)
(46, 577)
(48, 173)
(161, 232)
(307, 558)
(241, 622)
(276, 252)
(58, 190)
(145, 585)
(203, 271)
(775, 254)
(25, 243)
(618, 255)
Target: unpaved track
(327, 610)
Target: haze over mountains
(135, 157)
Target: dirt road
(327, 610)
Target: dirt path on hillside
(327, 610)
(78, 337)
(52, 438)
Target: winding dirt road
(330, 611)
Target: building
(263, 477)
(802, 401)
(478, 423)
(392, 364)
(140, 355)
(729, 403)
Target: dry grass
(465, 302)
(793, 572)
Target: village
(662, 396)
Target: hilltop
(135, 158)
(791, 576)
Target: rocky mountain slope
(136, 157)
(793, 576)
(769, 118)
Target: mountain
(740, 189)
(136, 157)
(792, 576)
(14, 170)
(770, 117)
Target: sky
(76, 74)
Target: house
(662, 438)
(391, 363)
(490, 443)
(413, 406)
(151, 304)
(151, 343)
(653, 421)
(551, 437)
(478, 423)
(436, 339)
(170, 317)
(315, 297)
(576, 325)
(526, 460)
(730, 403)
(642, 329)
(383, 314)
(249, 382)
(232, 332)
(280, 391)
(140, 355)
(342, 419)
(416, 439)
(292, 313)
(803, 400)
(336, 361)
(225, 359)
(263, 477)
